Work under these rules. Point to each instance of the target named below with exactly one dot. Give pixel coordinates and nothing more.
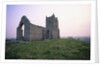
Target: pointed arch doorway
(23, 29)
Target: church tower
(52, 30)
(52, 22)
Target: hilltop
(67, 49)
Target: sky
(74, 19)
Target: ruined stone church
(35, 32)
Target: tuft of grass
(64, 49)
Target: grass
(62, 49)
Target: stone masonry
(34, 32)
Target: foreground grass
(69, 49)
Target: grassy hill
(67, 49)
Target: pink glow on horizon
(74, 20)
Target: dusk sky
(74, 19)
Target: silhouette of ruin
(35, 32)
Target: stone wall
(55, 33)
(36, 32)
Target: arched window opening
(23, 32)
